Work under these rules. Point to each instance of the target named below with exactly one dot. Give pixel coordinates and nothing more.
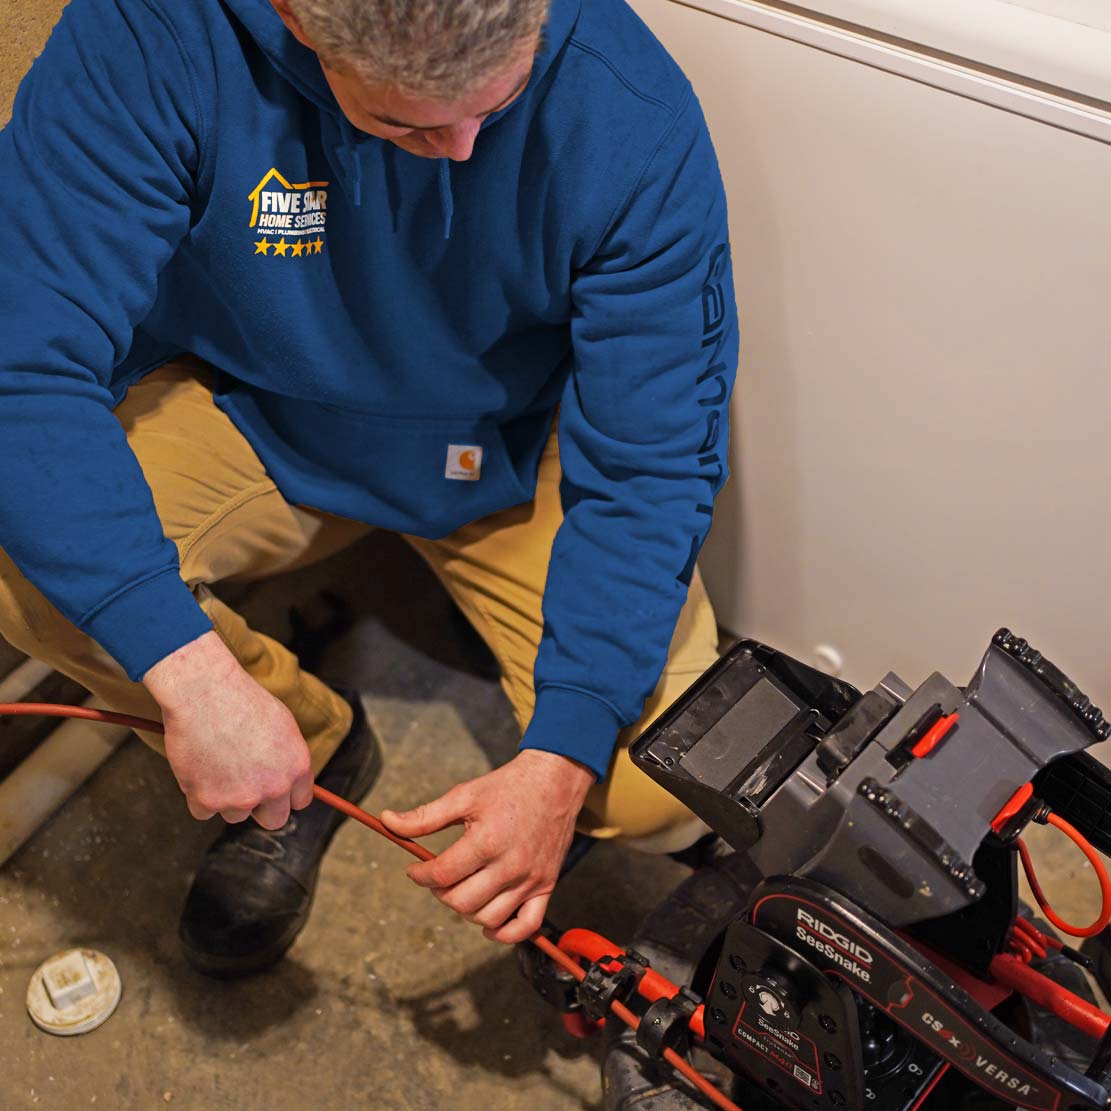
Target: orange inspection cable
(352, 811)
(1101, 875)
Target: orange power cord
(1101, 875)
(658, 985)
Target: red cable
(561, 958)
(1030, 930)
(50, 709)
(931, 1086)
(1011, 971)
(1027, 937)
(368, 820)
(1101, 875)
(632, 1021)
(593, 947)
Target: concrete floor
(387, 1000)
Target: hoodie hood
(342, 140)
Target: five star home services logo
(289, 218)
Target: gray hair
(432, 48)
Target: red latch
(1012, 806)
(936, 734)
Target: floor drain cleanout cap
(73, 992)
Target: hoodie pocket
(423, 475)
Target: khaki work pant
(229, 521)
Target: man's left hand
(518, 822)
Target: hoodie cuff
(575, 724)
(146, 622)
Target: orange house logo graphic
(288, 218)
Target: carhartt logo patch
(464, 461)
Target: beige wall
(921, 449)
(1066, 43)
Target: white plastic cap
(73, 992)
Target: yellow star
(318, 243)
(298, 247)
(263, 247)
(281, 246)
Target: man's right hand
(236, 749)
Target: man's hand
(236, 749)
(519, 821)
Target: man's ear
(292, 22)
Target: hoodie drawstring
(353, 153)
(447, 198)
(358, 176)
(447, 201)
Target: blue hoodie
(179, 177)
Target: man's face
(428, 128)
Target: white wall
(920, 429)
(1066, 43)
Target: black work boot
(252, 894)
